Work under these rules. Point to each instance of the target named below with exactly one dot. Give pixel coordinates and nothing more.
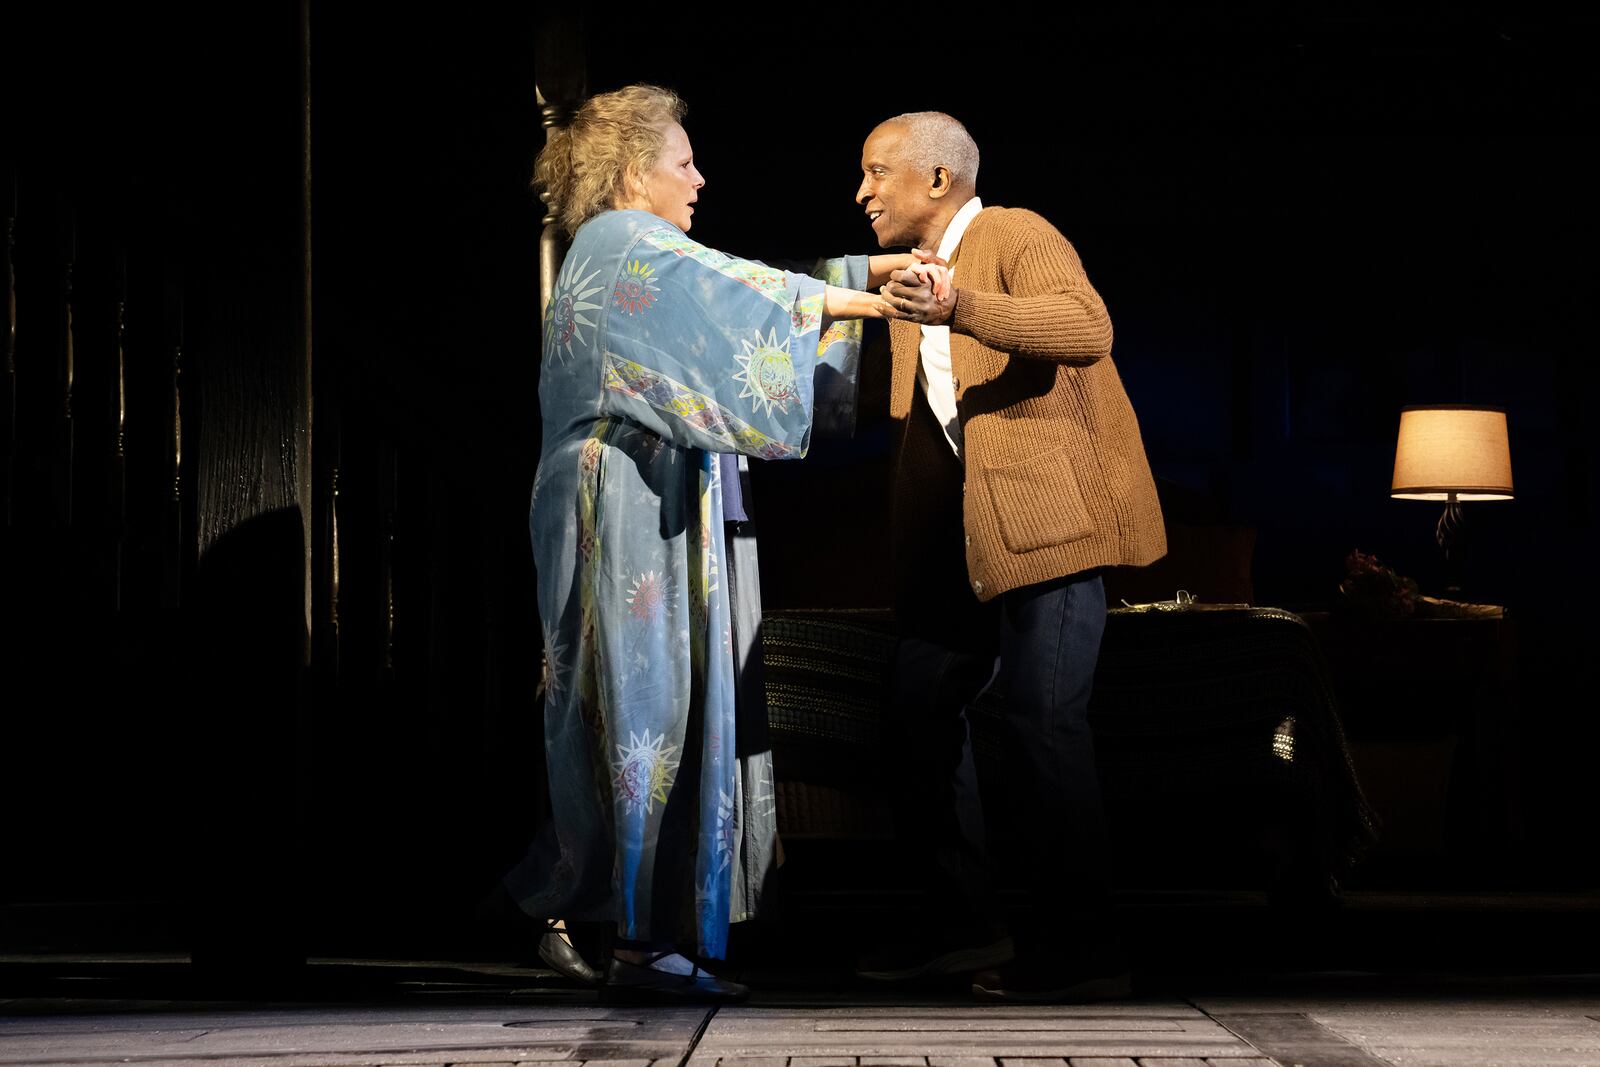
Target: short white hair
(934, 139)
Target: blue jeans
(1048, 642)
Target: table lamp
(1454, 453)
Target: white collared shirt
(933, 370)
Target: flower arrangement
(1372, 589)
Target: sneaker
(933, 957)
(1039, 981)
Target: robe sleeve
(715, 352)
(838, 374)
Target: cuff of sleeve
(855, 272)
(975, 311)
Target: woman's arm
(855, 304)
(880, 267)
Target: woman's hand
(934, 273)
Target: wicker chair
(1222, 759)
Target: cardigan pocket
(1037, 502)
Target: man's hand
(923, 294)
(935, 273)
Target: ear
(941, 183)
(630, 191)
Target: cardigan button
(969, 540)
(977, 587)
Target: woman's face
(670, 188)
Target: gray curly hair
(614, 138)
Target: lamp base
(1451, 537)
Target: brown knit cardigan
(1056, 476)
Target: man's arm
(1060, 317)
(1069, 325)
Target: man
(1019, 475)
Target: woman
(659, 355)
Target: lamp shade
(1452, 451)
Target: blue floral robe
(659, 352)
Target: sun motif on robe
(635, 292)
(727, 827)
(648, 599)
(644, 767)
(567, 316)
(555, 656)
(768, 373)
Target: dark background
(1299, 224)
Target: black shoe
(502, 919)
(936, 957)
(558, 952)
(1042, 981)
(633, 981)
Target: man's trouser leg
(1049, 643)
(938, 811)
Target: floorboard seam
(694, 1042)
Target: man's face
(673, 184)
(893, 192)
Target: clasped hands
(922, 292)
